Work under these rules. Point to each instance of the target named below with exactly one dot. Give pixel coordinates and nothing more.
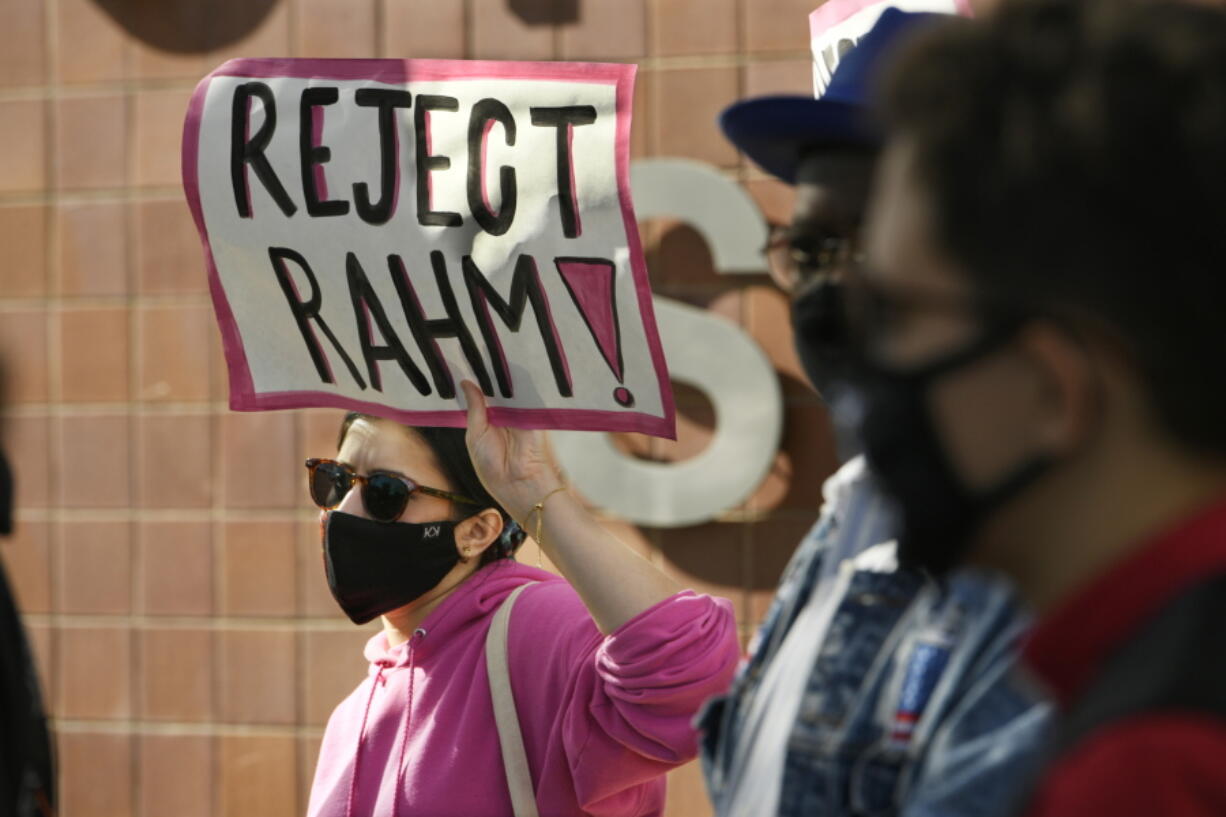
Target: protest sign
(378, 230)
(836, 26)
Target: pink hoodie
(603, 718)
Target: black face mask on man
(940, 514)
(824, 345)
(820, 326)
(375, 567)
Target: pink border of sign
(243, 396)
(833, 12)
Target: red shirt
(1154, 764)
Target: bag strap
(514, 758)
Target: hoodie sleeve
(619, 708)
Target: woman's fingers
(485, 445)
(513, 463)
(478, 419)
(478, 425)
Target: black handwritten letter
(307, 311)
(565, 119)
(244, 151)
(427, 332)
(367, 308)
(387, 101)
(486, 112)
(427, 162)
(526, 288)
(313, 155)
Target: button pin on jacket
(927, 660)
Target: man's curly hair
(1074, 154)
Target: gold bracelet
(539, 510)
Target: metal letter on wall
(703, 350)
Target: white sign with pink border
(378, 230)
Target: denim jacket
(911, 706)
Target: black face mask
(819, 323)
(940, 514)
(374, 567)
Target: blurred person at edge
(871, 688)
(607, 668)
(27, 770)
(1041, 343)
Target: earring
(464, 558)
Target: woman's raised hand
(615, 582)
(514, 464)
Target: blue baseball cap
(776, 131)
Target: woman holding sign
(576, 703)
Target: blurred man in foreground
(1042, 344)
(870, 689)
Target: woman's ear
(477, 532)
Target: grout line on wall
(470, 45)
(300, 660)
(188, 84)
(747, 574)
(135, 443)
(101, 195)
(49, 658)
(74, 304)
(301, 515)
(85, 409)
(182, 728)
(291, 24)
(54, 431)
(204, 622)
(217, 517)
(380, 29)
(648, 83)
(555, 40)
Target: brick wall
(166, 557)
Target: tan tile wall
(166, 558)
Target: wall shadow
(188, 26)
(546, 12)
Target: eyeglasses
(873, 312)
(796, 258)
(384, 493)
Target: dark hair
(451, 453)
(1074, 152)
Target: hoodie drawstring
(357, 755)
(404, 723)
(381, 680)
